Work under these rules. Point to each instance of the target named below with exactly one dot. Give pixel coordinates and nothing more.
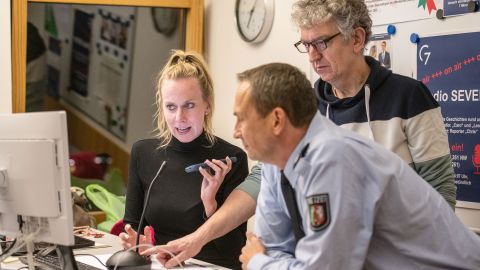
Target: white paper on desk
(190, 264)
(90, 260)
(97, 245)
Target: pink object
(476, 158)
(87, 164)
(117, 228)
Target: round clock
(165, 20)
(254, 19)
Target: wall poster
(82, 33)
(450, 67)
(380, 47)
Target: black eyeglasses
(319, 44)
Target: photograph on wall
(380, 47)
(453, 77)
(82, 27)
(80, 61)
(113, 29)
(105, 28)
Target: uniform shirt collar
(302, 148)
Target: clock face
(165, 20)
(254, 19)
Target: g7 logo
(426, 54)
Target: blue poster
(449, 65)
(456, 7)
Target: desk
(109, 244)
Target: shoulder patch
(319, 211)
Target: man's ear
(279, 118)
(359, 40)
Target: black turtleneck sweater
(175, 208)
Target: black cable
(20, 226)
(145, 203)
(20, 222)
(9, 248)
(91, 256)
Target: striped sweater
(401, 114)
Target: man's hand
(211, 183)
(129, 237)
(182, 249)
(253, 247)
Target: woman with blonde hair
(373, 52)
(180, 202)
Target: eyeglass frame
(315, 43)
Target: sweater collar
(198, 143)
(377, 76)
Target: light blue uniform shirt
(382, 215)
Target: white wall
(5, 59)
(227, 54)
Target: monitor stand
(67, 259)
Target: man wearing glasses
(357, 93)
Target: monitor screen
(35, 177)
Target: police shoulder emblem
(319, 211)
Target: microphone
(476, 158)
(130, 260)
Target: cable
(84, 254)
(20, 241)
(20, 226)
(145, 202)
(9, 247)
(156, 248)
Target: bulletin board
(98, 60)
(452, 73)
(451, 39)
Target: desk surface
(107, 245)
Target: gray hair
(347, 14)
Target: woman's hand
(211, 183)
(129, 237)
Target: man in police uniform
(330, 199)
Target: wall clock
(165, 20)
(254, 19)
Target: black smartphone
(195, 167)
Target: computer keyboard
(53, 262)
(82, 242)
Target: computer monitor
(35, 177)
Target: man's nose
(236, 133)
(313, 53)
